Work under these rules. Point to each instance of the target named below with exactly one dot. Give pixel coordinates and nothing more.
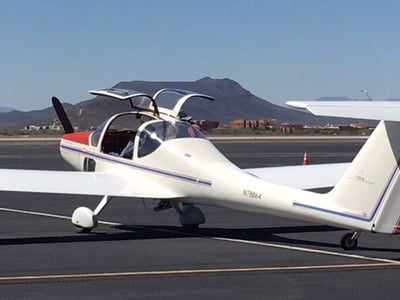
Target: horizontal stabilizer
(371, 110)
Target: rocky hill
(20, 118)
(232, 102)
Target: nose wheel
(80, 229)
(350, 240)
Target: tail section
(369, 191)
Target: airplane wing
(372, 110)
(302, 177)
(81, 183)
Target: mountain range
(5, 109)
(232, 102)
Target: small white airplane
(153, 153)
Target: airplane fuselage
(195, 169)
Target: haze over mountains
(232, 102)
(5, 109)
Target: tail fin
(369, 190)
(62, 116)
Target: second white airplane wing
(81, 183)
(372, 110)
(302, 177)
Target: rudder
(369, 190)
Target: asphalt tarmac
(139, 254)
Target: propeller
(62, 116)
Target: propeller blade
(62, 116)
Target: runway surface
(140, 254)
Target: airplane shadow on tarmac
(143, 232)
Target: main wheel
(348, 241)
(80, 229)
(191, 217)
(190, 227)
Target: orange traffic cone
(305, 159)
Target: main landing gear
(190, 216)
(350, 240)
(85, 219)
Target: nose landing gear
(85, 219)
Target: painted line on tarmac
(232, 240)
(280, 246)
(285, 247)
(216, 271)
(308, 250)
(54, 216)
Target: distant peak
(6, 109)
(205, 78)
(208, 78)
(218, 81)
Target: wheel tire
(348, 243)
(190, 227)
(82, 229)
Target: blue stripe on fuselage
(354, 216)
(109, 158)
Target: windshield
(95, 137)
(156, 133)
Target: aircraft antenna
(366, 93)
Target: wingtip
(296, 104)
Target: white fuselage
(195, 169)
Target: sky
(278, 50)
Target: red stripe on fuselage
(78, 137)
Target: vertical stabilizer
(369, 190)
